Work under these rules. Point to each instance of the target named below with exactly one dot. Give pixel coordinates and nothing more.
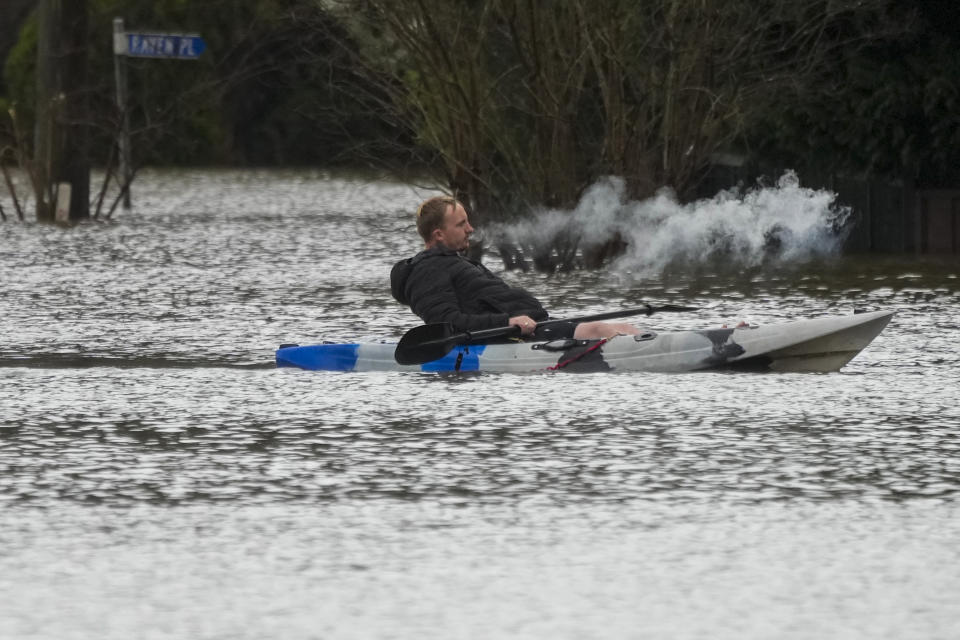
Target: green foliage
(268, 90)
(19, 77)
(887, 108)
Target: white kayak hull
(819, 345)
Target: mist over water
(737, 228)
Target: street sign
(171, 46)
(183, 46)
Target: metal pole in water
(120, 75)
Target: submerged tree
(60, 139)
(527, 103)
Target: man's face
(456, 229)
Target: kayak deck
(818, 345)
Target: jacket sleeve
(432, 297)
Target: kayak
(818, 344)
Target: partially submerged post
(62, 214)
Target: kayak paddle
(430, 342)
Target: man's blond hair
(430, 215)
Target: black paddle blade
(425, 343)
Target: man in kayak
(441, 285)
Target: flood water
(159, 478)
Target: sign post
(171, 46)
(123, 143)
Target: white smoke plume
(785, 223)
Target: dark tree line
(514, 103)
(888, 108)
(270, 89)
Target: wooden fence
(937, 228)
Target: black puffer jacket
(442, 286)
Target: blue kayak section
(321, 357)
(345, 357)
(470, 361)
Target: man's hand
(526, 324)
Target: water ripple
(144, 429)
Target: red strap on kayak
(561, 365)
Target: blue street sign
(162, 45)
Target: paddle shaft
(430, 342)
(483, 334)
